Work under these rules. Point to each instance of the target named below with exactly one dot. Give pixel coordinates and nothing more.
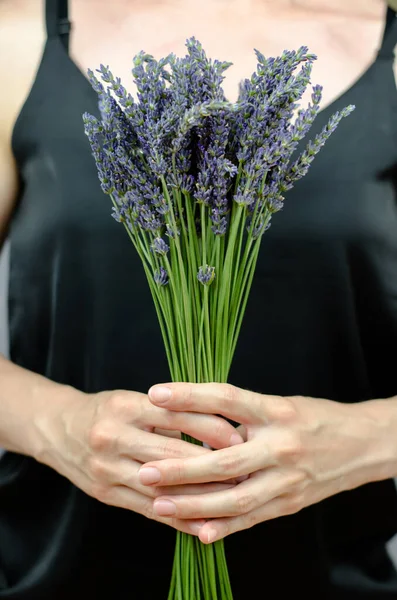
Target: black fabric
(390, 35)
(57, 20)
(321, 321)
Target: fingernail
(165, 508)
(195, 527)
(159, 394)
(235, 439)
(149, 475)
(211, 535)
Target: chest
(345, 40)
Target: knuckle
(174, 474)
(293, 503)
(229, 394)
(97, 469)
(157, 492)
(286, 409)
(188, 397)
(116, 402)
(178, 472)
(245, 502)
(126, 405)
(100, 436)
(290, 448)
(178, 524)
(230, 525)
(227, 530)
(251, 519)
(228, 465)
(221, 430)
(147, 510)
(101, 492)
(128, 479)
(168, 448)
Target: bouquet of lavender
(195, 181)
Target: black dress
(321, 321)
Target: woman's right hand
(100, 441)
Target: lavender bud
(161, 276)
(220, 227)
(245, 198)
(171, 232)
(260, 228)
(117, 215)
(159, 246)
(206, 275)
(96, 84)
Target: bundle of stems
(195, 181)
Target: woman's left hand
(298, 451)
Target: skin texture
(296, 450)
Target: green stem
(223, 301)
(245, 290)
(208, 345)
(214, 299)
(209, 551)
(184, 291)
(191, 251)
(178, 565)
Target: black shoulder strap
(58, 24)
(389, 40)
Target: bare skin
(82, 439)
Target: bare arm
(20, 392)
(16, 75)
(26, 403)
(8, 187)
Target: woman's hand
(100, 441)
(298, 451)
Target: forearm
(27, 402)
(377, 428)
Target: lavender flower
(206, 274)
(261, 226)
(159, 246)
(161, 276)
(148, 219)
(94, 131)
(182, 137)
(171, 231)
(301, 166)
(220, 222)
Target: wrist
(31, 407)
(51, 423)
(376, 426)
